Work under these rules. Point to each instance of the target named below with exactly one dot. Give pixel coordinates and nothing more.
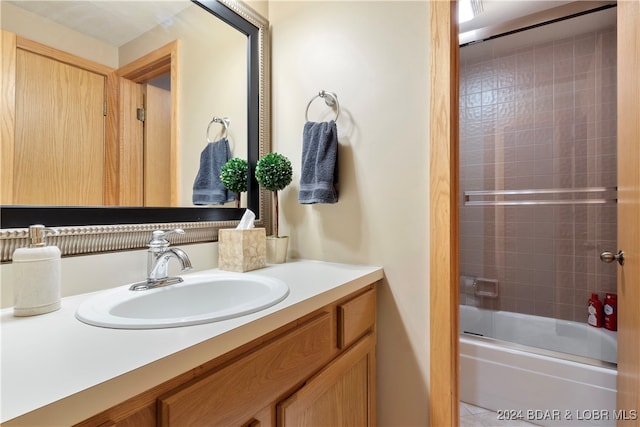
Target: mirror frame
(88, 230)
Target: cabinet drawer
(233, 394)
(356, 317)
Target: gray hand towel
(207, 187)
(319, 163)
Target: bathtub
(546, 387)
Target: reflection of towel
(207, 187)
(319, 163)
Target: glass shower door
(538, 186)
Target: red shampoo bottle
(611, 312)
(595, 310)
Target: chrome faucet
(158, 257)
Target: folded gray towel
(208, 189)
(319, 163)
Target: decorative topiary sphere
(234, 174)
(274, 172)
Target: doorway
(444, 276)
(537, 207)
(146, 91)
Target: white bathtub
(544, 389)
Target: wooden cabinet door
(59, 133)
(234, 394)
(341, 395)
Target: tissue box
(242, 250)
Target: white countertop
(58, 369)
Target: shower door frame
(443, 199)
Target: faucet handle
(159, 237)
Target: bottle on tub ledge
(37, 275)
(611, 312)
(596, 313)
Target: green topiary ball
(233, 175)
(274, 172)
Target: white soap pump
(37, 275)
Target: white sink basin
(201, 298)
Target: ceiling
(603, 19)
(114, 22)
(498, 11)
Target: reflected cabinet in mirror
(120, 113)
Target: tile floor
(474, 416)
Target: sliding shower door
(538, 184)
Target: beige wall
(374, 56)
(261, 7)
(37, 28)
(90, 273)
(213, 63)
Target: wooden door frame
(628, 136)
(154, 64)
(8, 106)
(443, 199)
(443, 214)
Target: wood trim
(157, 146)
(628, 396)
(62, 56)
(443, 163)
(372, 395)
(130, 144)
(8, 118)
(174, 170)
(112, 142)
(154, 64)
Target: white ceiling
(117, 22)
(114, 22)
(497, 11)
(554, 31)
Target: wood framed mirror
(132, 223)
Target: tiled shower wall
(539, 117)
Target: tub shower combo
(537, 208)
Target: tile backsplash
(539, 117)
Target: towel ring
(330, 99)
(225, 122)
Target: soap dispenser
(37, 275)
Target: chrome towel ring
(224, 121)
(330, 99)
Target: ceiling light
(468, 9)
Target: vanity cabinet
(340, 395)
(316, 370)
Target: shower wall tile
(538, 117)
(568, 311)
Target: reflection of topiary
(233, 175)
(274, 173)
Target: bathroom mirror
(253, 28)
